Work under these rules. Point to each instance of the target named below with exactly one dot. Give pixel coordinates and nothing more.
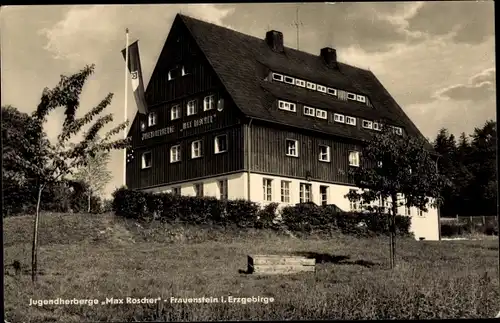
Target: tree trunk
(35, 237)
(88, 206)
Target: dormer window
(331, 91)
(351, 96)
(277, 77)
(338, 118)
(289, 80)
(288, 106)
(321, 114)
(300, 83)
(377, 126)
(152, 119)
(308, 111)
(321, 88)
(367, 124)
(361, 98)
(311, 86)
(350, 121)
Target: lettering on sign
(198, 122)
(159, 132)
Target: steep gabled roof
(241, 62)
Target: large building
(235, 116)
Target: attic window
(351, 96)
(173, 73)
(277, 77)
(321, 114)
(398, 130)
(367, 124)
(311, 86)
(321, 88)
(350, 121)
(377, 126)
(308, 111)
(288, 106)
(331, 91)
(360, 98)
(186, 70)
(289, 80)
(338, 118)
(300, 83)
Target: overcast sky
(437, 59)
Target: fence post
(484, 220)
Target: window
(186, 70)
(420, 212)
(285, 191)
(277, 77)
(353, 205)
(311, 86)
(152, 119)
(292, 148)
(350, 120)
(198, 189)
(220, 144)
(176, 190)
(173, 73)
(305, 192)
(338, 118)
(321, 114)
(191, 107)
(196, 150)
(143, 125)
(380, 164)
(408, 211)
(354, 158)
(360, 98)
(220, 104)
(208, 103)
(377, 126)
(222, 184)
(323, 192)
(321, 88)
(289, 80)
(288, 106)
(351, 96)
(398, 131)
(147, 160)
(175, 153)
(308, 111)
(267, 188)
(324, 153)
(175, 112)
(367, 124)
(300, 83)
(331, 91)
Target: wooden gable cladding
(268, 154)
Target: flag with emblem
(134, 67)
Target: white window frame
(300, 83)
(340, 118)
(367, 124)
(209, 102)
(322, 114)
(350, 120)
(305, 194)
(354, 158)
(267, 187)
(289, 151)
(217, 149)
(324, 155)
(308, 111)
(191, 108)
(323, 195)
(196, 152)
(351, 96)
(311, 85)
(170, 77)
(278, 77)
(175, 112)
(285, 191)
(361, 98)
(377, 126)
(222, 184)
(331, 90)
(321, 88)
(290, 81)
(175, 154)
(183, 72)
(143, 160)
(152, 119)
(287, 106)
(398, 131)
(199, 189)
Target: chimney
(274, 40)
(329, 55)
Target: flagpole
(125, 112)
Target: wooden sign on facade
(159, 132)
(198, 122)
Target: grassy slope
(86, 256)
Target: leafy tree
(95, 173)
(51, 162)
(400, 170)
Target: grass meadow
(103, 256)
